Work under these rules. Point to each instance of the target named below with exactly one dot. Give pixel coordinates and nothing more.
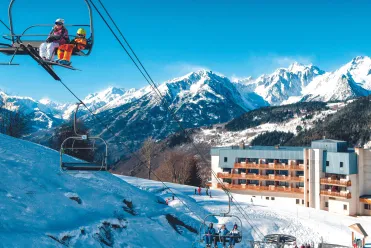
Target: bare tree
(148, 151)
(177, 166)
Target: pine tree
(194, 178)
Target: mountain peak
(297, 67)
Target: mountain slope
(350, 81)
(44, 207)
(43, 116)
(283, 83)
(197, 99)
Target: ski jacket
(80, 43)
(235, 232)
(59, 36)
(223, 232)
(210, 231)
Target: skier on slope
(58, 36)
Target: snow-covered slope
(350, 81)
(198, 99)
(282, 84)
(43, 207)
(98, 100)
(219, 136)
(267, 216)
(43, 116)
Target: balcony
(339, 194)
(244, 165)
(299, 167)
(224, 175)
(253, 176)
(273, 166)
(341, 182)
(270, 188)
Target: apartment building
(327, 175)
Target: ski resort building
(327, 175)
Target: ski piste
(31, 51)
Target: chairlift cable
(154, 87)
(109, 129)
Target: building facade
(327, 175)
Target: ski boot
(64, 62)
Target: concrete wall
(354, 190)
(230, 155)
(349, 161)
(337, 206)
(279, 198)
(215, 167)
(314, 175)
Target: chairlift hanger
(83, 166)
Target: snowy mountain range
(201, 98)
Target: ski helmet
(59, 21)
(81, 32)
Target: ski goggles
(58, 23)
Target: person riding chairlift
(209, 235)
(65, 51)
(58, 36)
(223, 233)
(235, 234)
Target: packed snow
(44, 207)
(263, 216)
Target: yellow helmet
(81, 32)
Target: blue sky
(172, 38)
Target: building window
(341, 164)
(225, 159)
(297, 201)
(267, 198)
(302, 202)
(368, 206)
(326, 204)
(327, 163)
(272, 198)
(345, 207)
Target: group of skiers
(213, 237)
(306, 245)
(58, 38)
(198, 190)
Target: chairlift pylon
(84, 166)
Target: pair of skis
(47, 65)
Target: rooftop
(261, 148)
(329, 141)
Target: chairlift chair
(84, 166)
(28, 44)
(224, 215)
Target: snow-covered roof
(329, 141)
